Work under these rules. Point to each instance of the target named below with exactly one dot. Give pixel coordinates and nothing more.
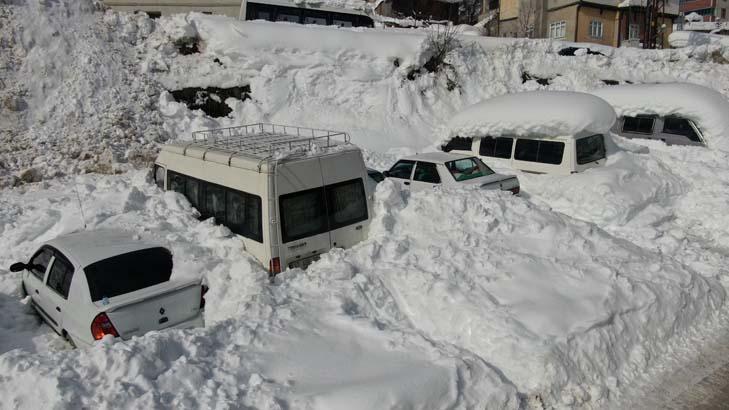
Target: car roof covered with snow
(707, 108)
(536, 113)
(436, 157)
(87, 247)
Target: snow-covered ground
(562, 297)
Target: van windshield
(468, 168)
(128, 272)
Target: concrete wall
(224, 7)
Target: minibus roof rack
(263, 141)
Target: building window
(634, 32)
(723, 13)
(596, 29)
(557, 29)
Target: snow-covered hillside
(562, 297)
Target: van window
(39, 263)
(590, 149)
(243, 214)
(459, 143)
(59, 278)
(303, 214)
(641, 124)
(468, 168)
(346, 203)
(128, 272)
(680, 126)
(239, 211)
(159, 176)
(499, 147)
(192, 192)
(215, 202)
(176, 182)
(547, 152)
(426, 172)
(402, 169)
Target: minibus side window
(499, 147)
(192, 192)
(459, 143)
(546, 152)
(590, 149)
(303, 214)
(346, 203)
(243, 214)
(176, 182)
(640, 124)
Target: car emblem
(161, 311)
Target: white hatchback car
(433, 169)
(94, 283)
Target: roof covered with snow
(86, 247)
(707, 108)
(437, 157)
(537, 113)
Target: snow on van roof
(707, 108)
(87, 247)
(544, 113)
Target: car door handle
(58, 309)
(407, 183)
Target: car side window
(680, 126)
(39, 263)
(640, 124)
(59, 278)
(402, 169)
(426, 172)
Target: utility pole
(653, 24)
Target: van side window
(590, 149)
(239, 211)
(176, 182)
(426, 172)
(59, 278)
(402, 169)
(243, 214)
(680, 126)
(499, 147)
(159, 176)
(459, 143)
(346, 203)
(39, 263)
(640, 124)
(303, 214)
(214, 202)
(547, 152)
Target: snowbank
(555, 113)
(706, 107)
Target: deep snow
(562, 297)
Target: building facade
(709, 10)
(607, 22)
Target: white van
(562, 155)
(545, 132)
(292, 193)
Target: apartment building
(709, 10)
(607, 22)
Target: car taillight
(515, 190)
(274, 266)
(101, 326)
(203, 290)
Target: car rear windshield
(128, 272)
(468, 168)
